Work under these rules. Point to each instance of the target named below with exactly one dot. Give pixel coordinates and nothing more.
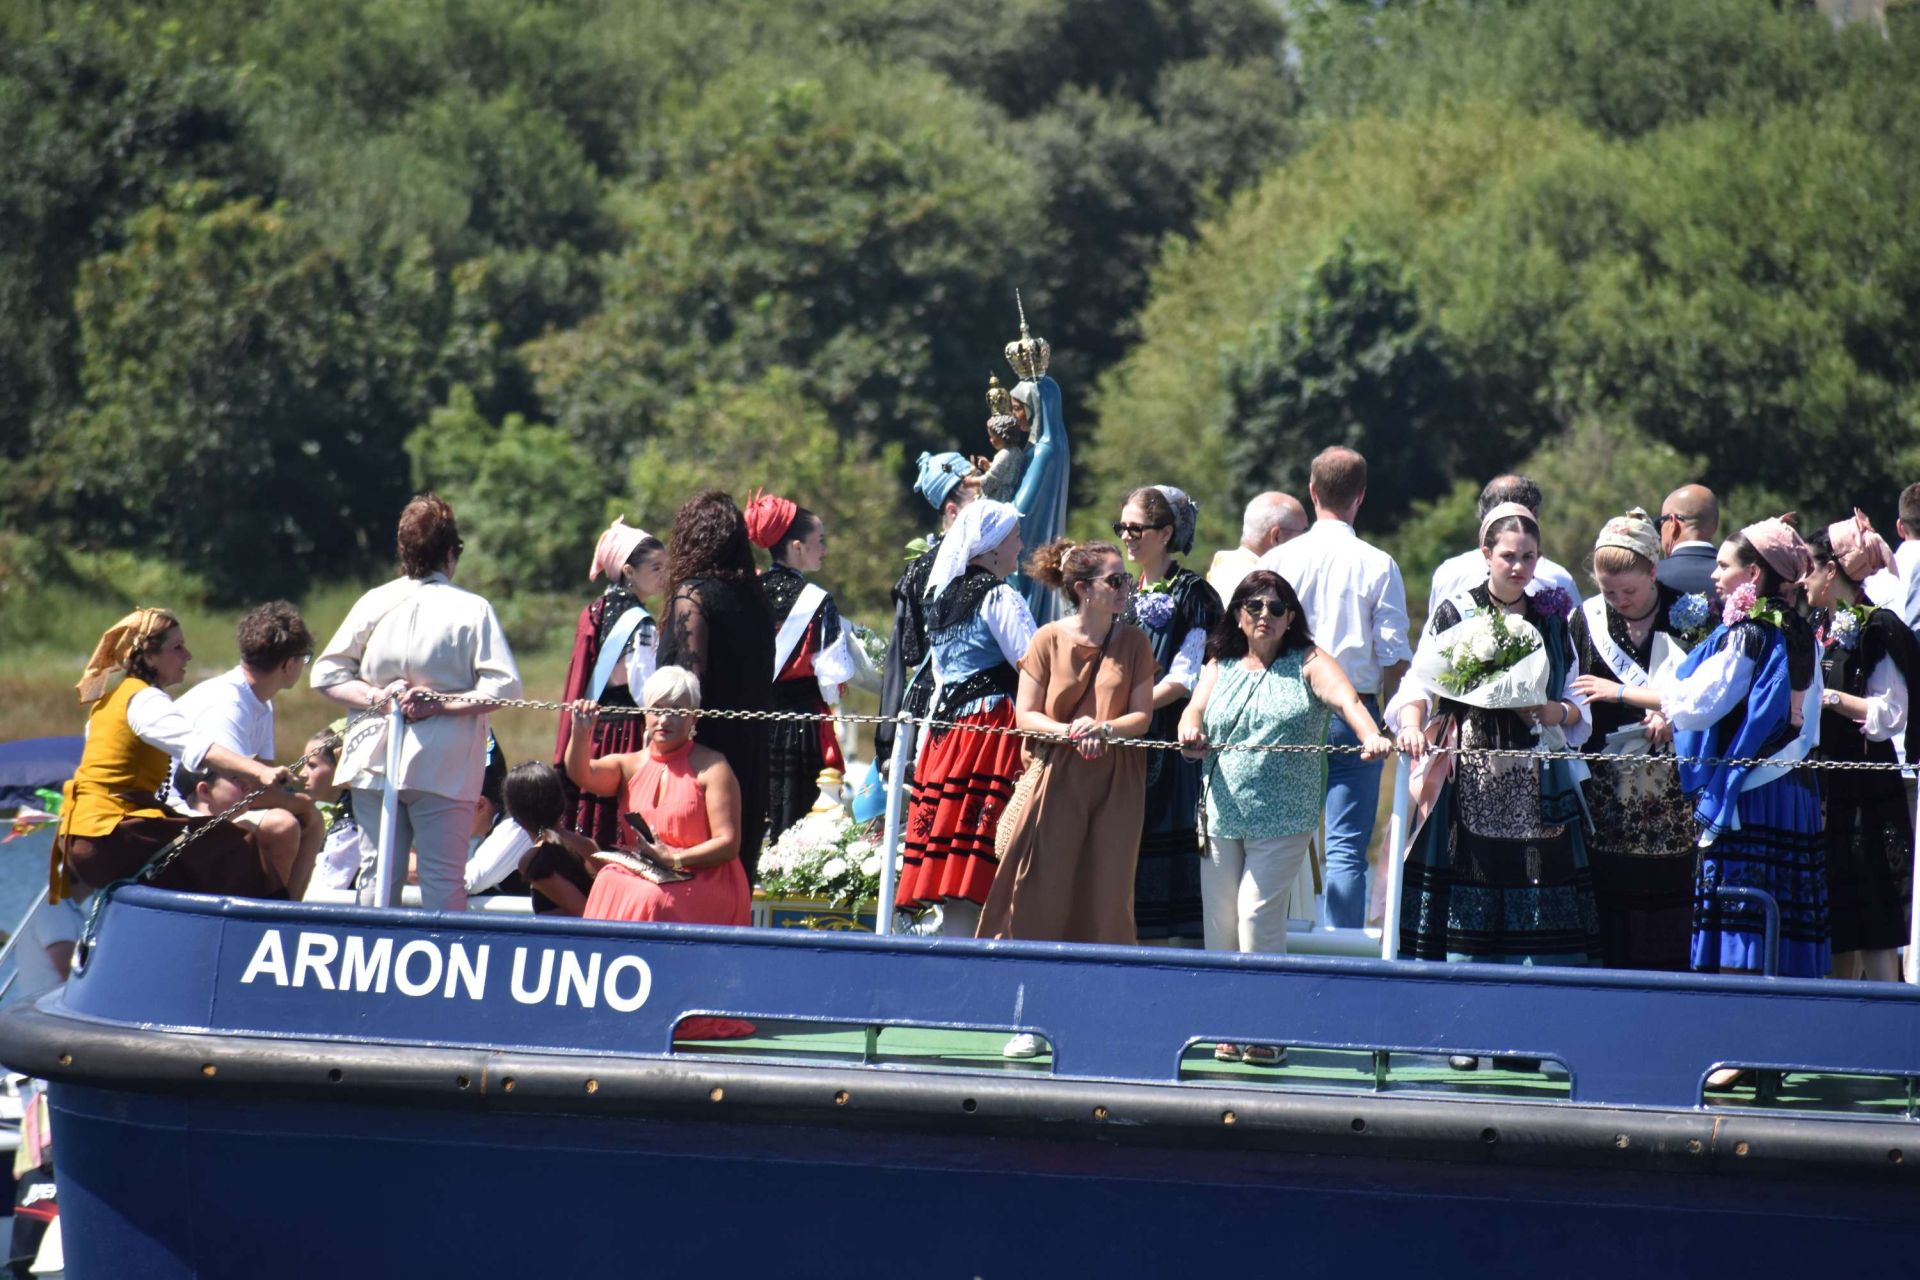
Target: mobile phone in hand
(639, 824)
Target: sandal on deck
(1264, 1055)
(1224, 1052)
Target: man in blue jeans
(1356, 610)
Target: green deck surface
(1318, 1070)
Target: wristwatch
(1830, 698)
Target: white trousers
(437, 828)
(1245, 889)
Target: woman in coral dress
(690, 801)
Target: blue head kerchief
(939, 473)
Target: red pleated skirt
(960, 788)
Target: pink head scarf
(615, 545)
(1780, 546)
(1857, 549)
(1501, 512)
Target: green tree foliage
(527, 499)
(241, 385)
(1352, 360)
(770, 433)
(864, 228)
(1164, 412)
(98, 115)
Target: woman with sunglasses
(1265, 685)
(1067, 852)
(1177, 610)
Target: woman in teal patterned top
(1265, 684)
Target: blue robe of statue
(1042, 496)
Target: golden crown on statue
(1027, 354)
(999, 402)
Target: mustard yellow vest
(117, 778)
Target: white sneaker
(1024, 1045)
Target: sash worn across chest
(613, 647)
(805, 605)
(1665, 652)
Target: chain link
(172, 851)
(1513, 753)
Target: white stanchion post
(385, 868)
(1913, 924)
(1396, 860)
(903, 735)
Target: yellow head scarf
(121, 643)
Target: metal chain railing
(1148, 744)
(172, 851)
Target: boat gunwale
(1208, 1115)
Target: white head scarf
(983, 525)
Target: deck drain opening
(1693, 1146)
(506, 1084)
(840, 1098)
(1358, 1125)
(1895, 1156)
(1099, 1113)
(66, 1059)
(1740, 1148)
(208, 1069)
(1489, 1136)
(1227, 1117)
(593, 1086)
(1622, 1141)
(462, 1082)
(716, 1093)
(336, 1075)
(969, 1106)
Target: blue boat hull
(208, 1125)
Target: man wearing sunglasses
(1356, 610)
(1689, 523)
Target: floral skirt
(1642, 855)
(1488, 881)
(960, 788)
(1779, 848)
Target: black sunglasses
(1118, 581)
(1121, 530)
(1261, 605)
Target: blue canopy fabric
(32, 763)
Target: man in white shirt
(1356, 609)
(1899, 588)
(1469, 569)
(1270, 519)
(235, 710)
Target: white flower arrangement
(824, 855)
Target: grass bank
(46, 634)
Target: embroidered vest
(118, 774)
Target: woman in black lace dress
(719, 626)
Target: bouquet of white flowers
(1486, 660)
(824, 855)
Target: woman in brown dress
(1067, 872)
